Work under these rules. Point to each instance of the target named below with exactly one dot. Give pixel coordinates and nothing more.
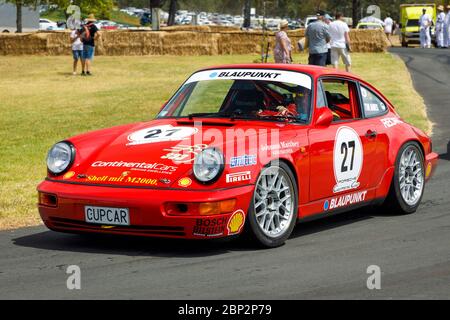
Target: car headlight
(208, 165)
(60, 157)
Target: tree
(101, 8)
(355, 11)
(247, 9)
(19, 5)
(172, 12)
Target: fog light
(46, 199)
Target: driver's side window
(342, 99)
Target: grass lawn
(42, 103)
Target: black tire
(253, 229)
(395, 203)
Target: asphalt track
(325, 259)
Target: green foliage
(101, 8)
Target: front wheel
(408, 184)
(273, 210)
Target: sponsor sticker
(344, 200)
(293, 77)
(185, 182)
(123, 179)
(238, 177)
(210, 227)
(243, 161)
(284, 147)
(159, 134)
(136, 166)
(390, 122)
(184, 153)
(236, 222)
(347, 159)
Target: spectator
(283, 48)
(447, 28)
(317, 36)
(89, 35)
(77, 50)
(440, 21)
(388, 27)
(340, 42)
(328, 19)
(425, 23)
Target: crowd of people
(328, 41)
(83, 45)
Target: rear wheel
(408, 183)
(273, 210)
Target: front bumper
(146, 210)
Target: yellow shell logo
(236, 222)
(69, 175)
(125, 173)
(184, 182)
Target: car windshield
(243, 94)
(412, 23)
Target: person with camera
(89, 34)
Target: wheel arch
(394, 155)
(291, 167)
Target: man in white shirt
(440, 26)
(340, 42)
(388, 23)
(447, 28)
(425, 26)
(77, 49)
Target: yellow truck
(409, 22)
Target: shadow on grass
(158, 247)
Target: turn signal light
(47, 199)
(202, 208)
(211, 208)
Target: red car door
(341, 155)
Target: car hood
(158, 153)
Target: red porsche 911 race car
(241, 148)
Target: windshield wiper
(285, 118)
(202, 115)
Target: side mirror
(323, 117)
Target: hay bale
(124, 42)
(189, 43)
(368, 40)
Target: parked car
(46, 24)
(107, 25)
(241, 148)
(369, 26)
(309, 20)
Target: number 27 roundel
(347, 159)
(160, 133)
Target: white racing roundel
(160, 133)
(347, 159)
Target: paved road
(324, 259)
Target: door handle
(371, 134)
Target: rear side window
(342, 99)
(373, 105)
